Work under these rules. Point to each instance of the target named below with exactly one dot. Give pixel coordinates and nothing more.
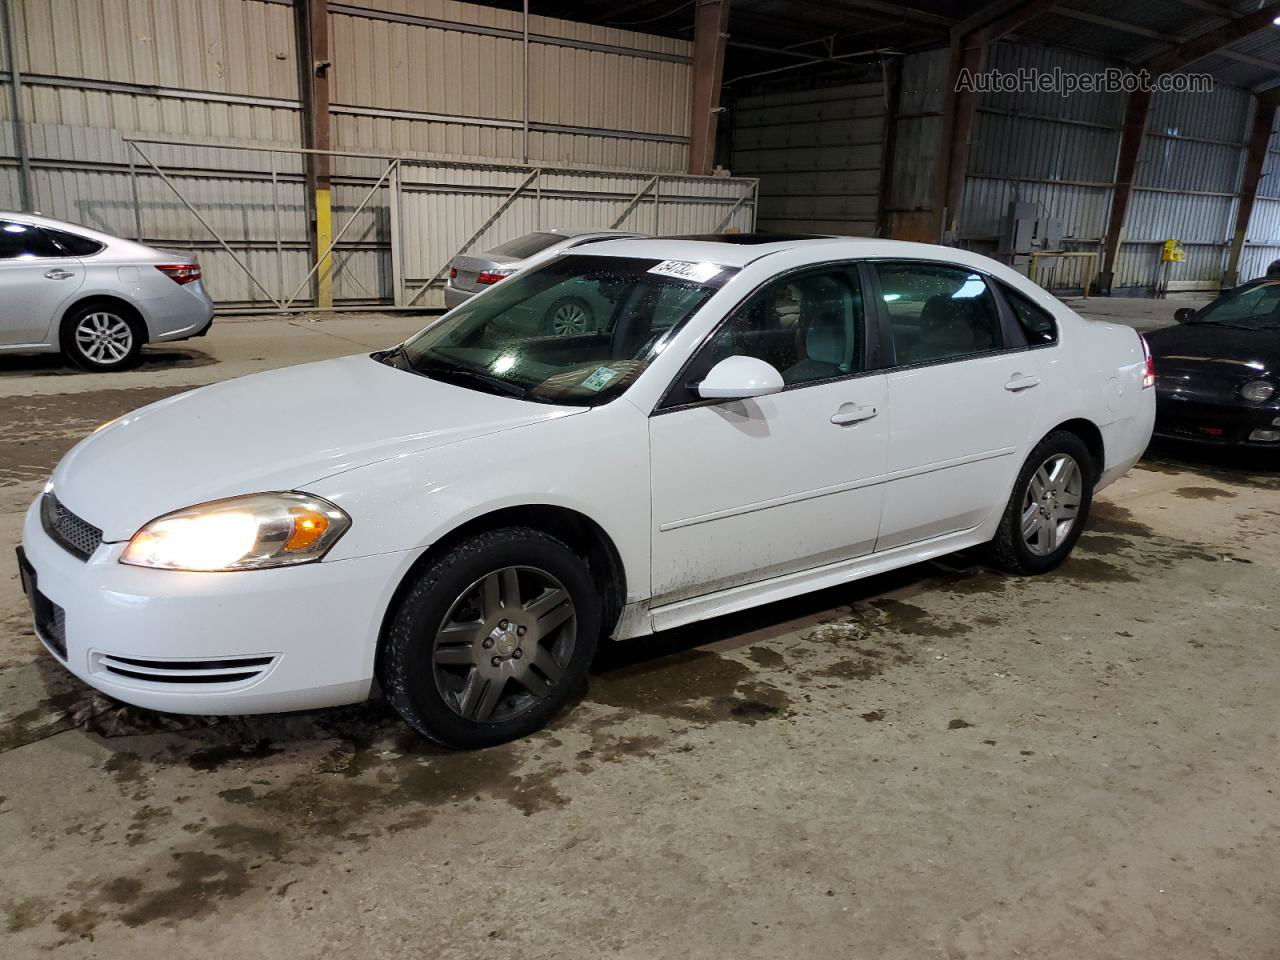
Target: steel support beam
(1138, 109)
(969, 41)
(710, 31)
(313, 68)
(25, 192)
(1264, 116)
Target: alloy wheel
(1051, 506)
(104, 337)
(504, 644)
(569, 319)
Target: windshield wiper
(471, 378)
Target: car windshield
(526, 246)
(1251, 308)
(577, 330)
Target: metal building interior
(839, 110)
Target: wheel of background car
(491, 639)
(102, 338)
(570, 316)
(1048, 508)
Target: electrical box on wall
(1028, 230)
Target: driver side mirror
(737, 378)
(1184, 314)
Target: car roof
(738, 250)
(40, 220)
(573, 232)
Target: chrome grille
(78, 537)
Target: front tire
(1048, 508)
(491, 639)
(102, 338)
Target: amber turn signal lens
(308, 527)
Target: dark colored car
(1218, 371)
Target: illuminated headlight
(241, 533)
(1259, 391)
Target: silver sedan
(469, 275)
(93, 297)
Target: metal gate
(399, 221)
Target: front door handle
(59, 274)
(851, 414)
(1020, 383)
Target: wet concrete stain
(52, 715)
(26, 913)
(902, 617)
(213, 758)
(1203, 493)
(1093, 570)
(199, 883)
(767, 658)
(693, 686)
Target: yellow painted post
(324, 237)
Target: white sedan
(464, 516)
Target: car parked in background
(570, 312)
(93, 297)
(465, 515)
(1218, 370)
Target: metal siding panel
(818, 154)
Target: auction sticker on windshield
(686, 270)
(600, 379)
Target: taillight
(1149, 377)
(453, 273)
(180, 272)
(491, 277)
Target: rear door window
(24, 241)
(938, 312)
(1036, 322)
(75, 245)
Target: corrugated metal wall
(818, 154)
(415, 78)
(1060, 154)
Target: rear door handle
(851, 414)
(1018, 384)
(59, 274)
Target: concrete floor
(940, 762)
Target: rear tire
(491, 639)
(1048, 508)
(102, 338)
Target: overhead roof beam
(1211, 41)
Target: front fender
(596, 464)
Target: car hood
(1228, 351)
(271, 431)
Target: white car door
(745, 490)
(37, 280)
(962, 398)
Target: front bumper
(1206, 421)
(261, 641)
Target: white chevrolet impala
(465, 516)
